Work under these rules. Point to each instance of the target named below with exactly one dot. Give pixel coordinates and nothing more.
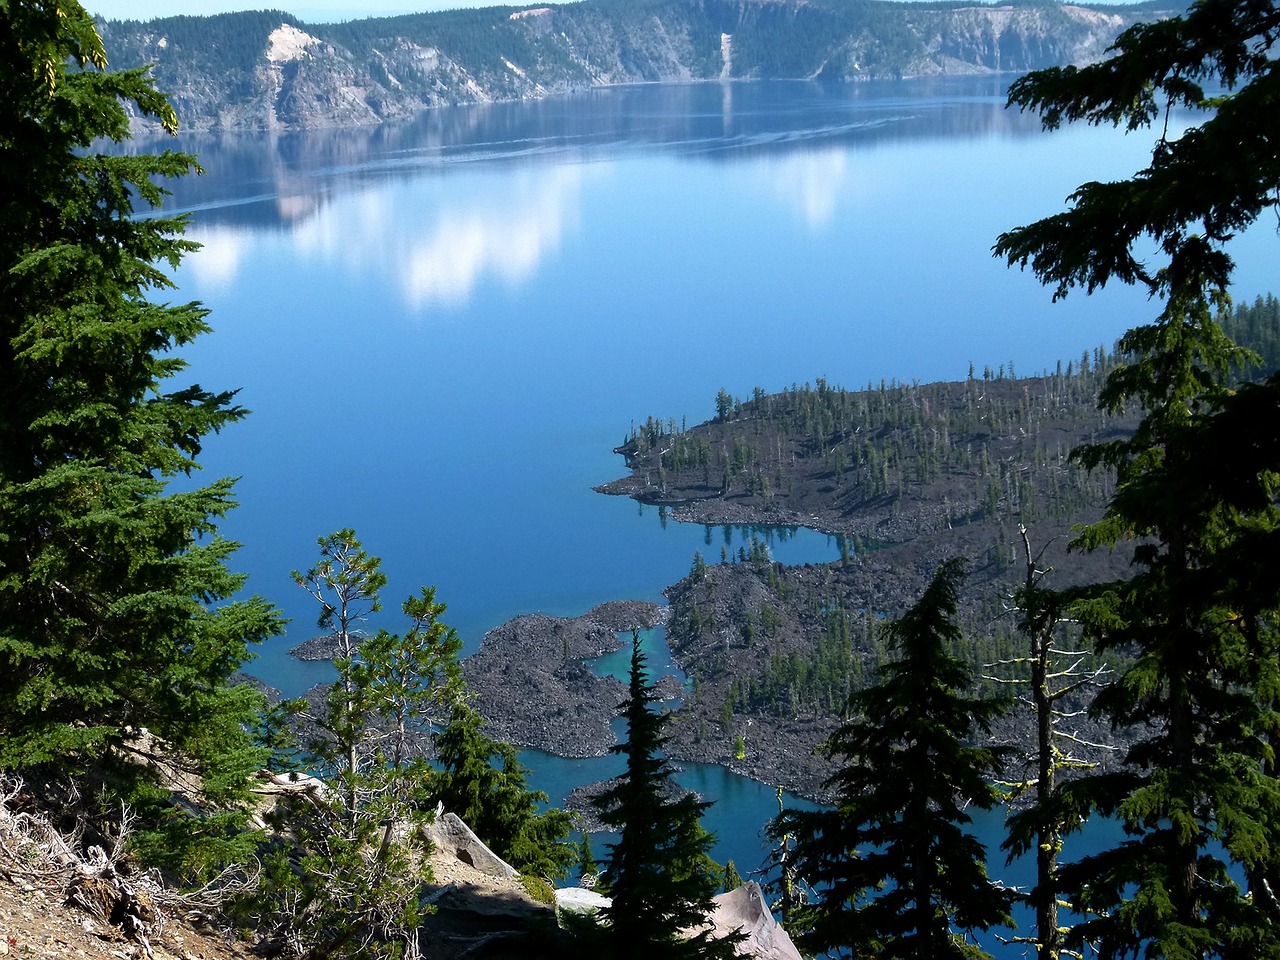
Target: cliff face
(267, 70)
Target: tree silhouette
(894, 871)
(659, 874)
(1195, 492)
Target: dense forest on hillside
(269, 69)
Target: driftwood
(100, 879)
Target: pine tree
(484, 783)
(114, 586)
(659, 874)
(587, 866)
(1198, 619)
(360, 870)
(893, 868)
(1195, 489)
(732, 878)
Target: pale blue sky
(309, 11)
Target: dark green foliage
(896, 445)
(349, 884)
(587, 866)
(273, 731)
(1256, 327)
(1195, 489)
(1002, 448)
(212, 45)
(114, 589)
(659, 873)
(484, 783)
(1199, 616)
(732, 878)
(1200, 188)
(538, 890)
(894, 871)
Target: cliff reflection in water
(290, 176)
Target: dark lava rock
(581, 800)
(324, 647)
(534, 688)
(271, 694)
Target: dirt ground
(36, 923)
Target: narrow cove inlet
(443, 331)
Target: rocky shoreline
(535, 688)
(323, 647)
(773, 651)
(533, 684)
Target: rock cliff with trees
(267, 70)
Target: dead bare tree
(1054, 674)
(99, 879)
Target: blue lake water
(443, 328)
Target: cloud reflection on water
(470, 199)
(506, 236)
(808, 183)
(436, 241)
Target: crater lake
(443, 328)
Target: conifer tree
(659, 874)
(732, 878)
(114, 586)
(587, 866)
(894, 870)
(1195, 488)
(357, 886)
(484, 783)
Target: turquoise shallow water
(444, 328)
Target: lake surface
(443, 328)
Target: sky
(308, 11)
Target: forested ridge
(268, 69)
(907, 475)
(893, 461)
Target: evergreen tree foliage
(351, 888)
(1195, 490)
(484, 783)
(659, 874)
(732, 878)
(1201, 187)
(114, 586)
(587, 866)
(894, 870)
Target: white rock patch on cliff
(287, 42)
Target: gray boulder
(449, 834)
(744, 909)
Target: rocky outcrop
(534, 688)
(744, 909)
(322, 647)
(450, 835)
(264, 70)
